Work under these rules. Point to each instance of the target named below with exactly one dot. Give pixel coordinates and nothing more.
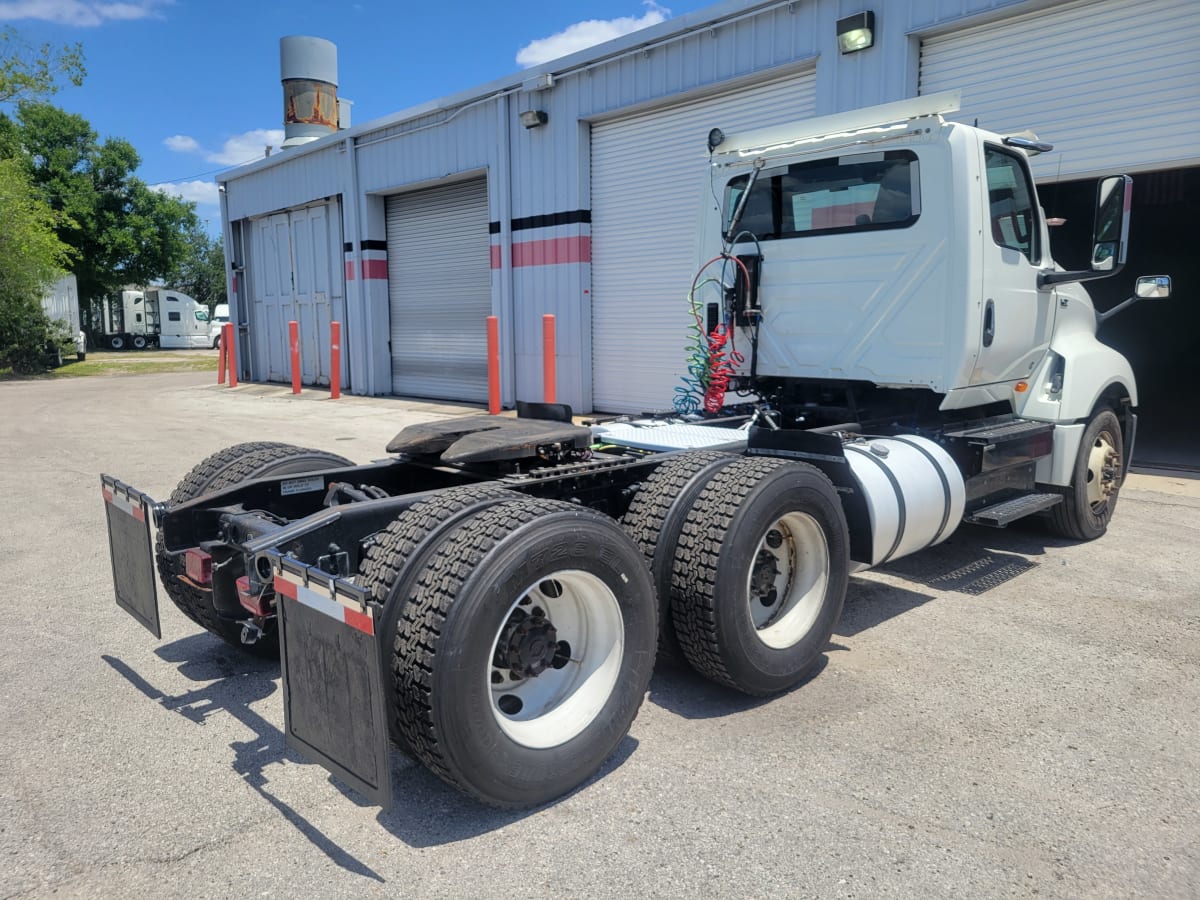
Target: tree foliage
(201, 273)
(31, 257)
(123, 232)
(33, 73)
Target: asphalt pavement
(1008, 714)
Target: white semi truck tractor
(885, 350)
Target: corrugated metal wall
(1114, 86)
(544, 172)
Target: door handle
(989, 324)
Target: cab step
(1000, 514)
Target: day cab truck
(491, 597)
(156, 317)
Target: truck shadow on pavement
(427, 812)
(230, 684)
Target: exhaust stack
(308, 70)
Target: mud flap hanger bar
(335, 710)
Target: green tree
(123, 232)
(201, 272)
(31, 257)
(33, 73)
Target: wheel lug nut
(774, 539)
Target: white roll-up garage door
(440, 291)
(649, 179)
(1114, 85)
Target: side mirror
(1110, 239)
(1153, 287)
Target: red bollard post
(231, 353)
(221, 359)
(493, 364)
(548, 362)
(335, 360)
(294, 338)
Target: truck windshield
(860, 192)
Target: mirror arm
(1102, 317)
(1049, 279)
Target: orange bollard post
(231, 353)
(221, 358)
(335, 360)
(548, 362)
(493, 364)
(294, 338)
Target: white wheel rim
(556, 704)
(1103, 464)
(789, 572)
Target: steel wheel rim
(557, 703)
(789, 573)
(1104, 462)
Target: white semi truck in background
(156, 317)
(887, 350)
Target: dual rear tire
(753, 554)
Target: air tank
(913, 491)
(308, 70)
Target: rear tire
(1089, 502)
(526, 651)
(233, 465)
(117, 342)
(654, 518)
(393, 562)
(760, 574)
(139, 342)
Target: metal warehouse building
(574, 188)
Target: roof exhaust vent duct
(308, 70)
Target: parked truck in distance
(156, 317)
(903, 354)
(220, 318)
(61, 305)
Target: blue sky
(194, 84)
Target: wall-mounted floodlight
(532, 118)
(856, 32)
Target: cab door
(1018, 317)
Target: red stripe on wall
(375, 268)
(349, 270)
(495, 257)
(552, 251)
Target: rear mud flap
(129, 513)
(333, 695)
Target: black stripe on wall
(347, 247)
(574, 217)
(373, 245)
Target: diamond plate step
(1001, 514)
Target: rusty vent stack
(308, 70)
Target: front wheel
(526, 651)
(1089, 501)
(760, 574)
(139, 342)
(117, 342)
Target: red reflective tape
(285, 587)
(138, 512)
(375, 268)
(108, 497)
(553, 251)
(361, 621)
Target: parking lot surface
(1008, 714)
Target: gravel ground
(1005, 715)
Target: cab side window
(1011, 203)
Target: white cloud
(203, 193)
(182, 143)
(87, 13)
(241, 148)
(588, 33)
